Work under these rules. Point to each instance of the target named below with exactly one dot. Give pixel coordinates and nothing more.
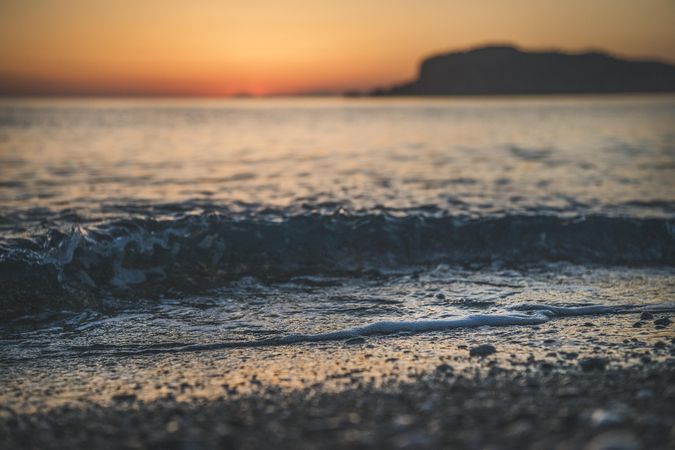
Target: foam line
(532, 314)
(590, 310)
(420, 326)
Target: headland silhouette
(508, 70)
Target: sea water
(132, 226)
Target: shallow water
(130, 226)
(87, 160)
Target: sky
(261, 47)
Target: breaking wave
(79, 266)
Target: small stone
(637, 325)
(646, 316)
(357, 340)
(614, 440)
(660, 345)
(173, 426)
(520, 428)
(546, 366)
(482, 350)
(589, 364)
(605, 418)
(663, 321)
(444, 368)
(440, 296)
(645, 394)
(403, 420)
(569, 392)
(123, 398)
(411, 440)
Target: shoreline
(573, 383)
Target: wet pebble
(645, 394)
(606, 418)
(663, 321)
(355, 340)
(546, 366)
(614, 440)
(482, 350)
(444, 368)
(122, 398)
(589, 364)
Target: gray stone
(482, 350)
(589, 364)
(357, 340)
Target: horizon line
(319, 92)
(341, 96)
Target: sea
(142, 226)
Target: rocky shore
(598, 383)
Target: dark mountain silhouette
(509, 70)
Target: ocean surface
(144, 226)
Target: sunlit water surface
(132, 224)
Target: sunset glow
(259, 47)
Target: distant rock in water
(507, 70)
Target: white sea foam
(422, 326)
(517, 315)
(533, 314)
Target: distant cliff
(507, 70)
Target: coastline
(582, 382)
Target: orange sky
(218, 47)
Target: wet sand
(596, 382)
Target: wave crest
(146, 257)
